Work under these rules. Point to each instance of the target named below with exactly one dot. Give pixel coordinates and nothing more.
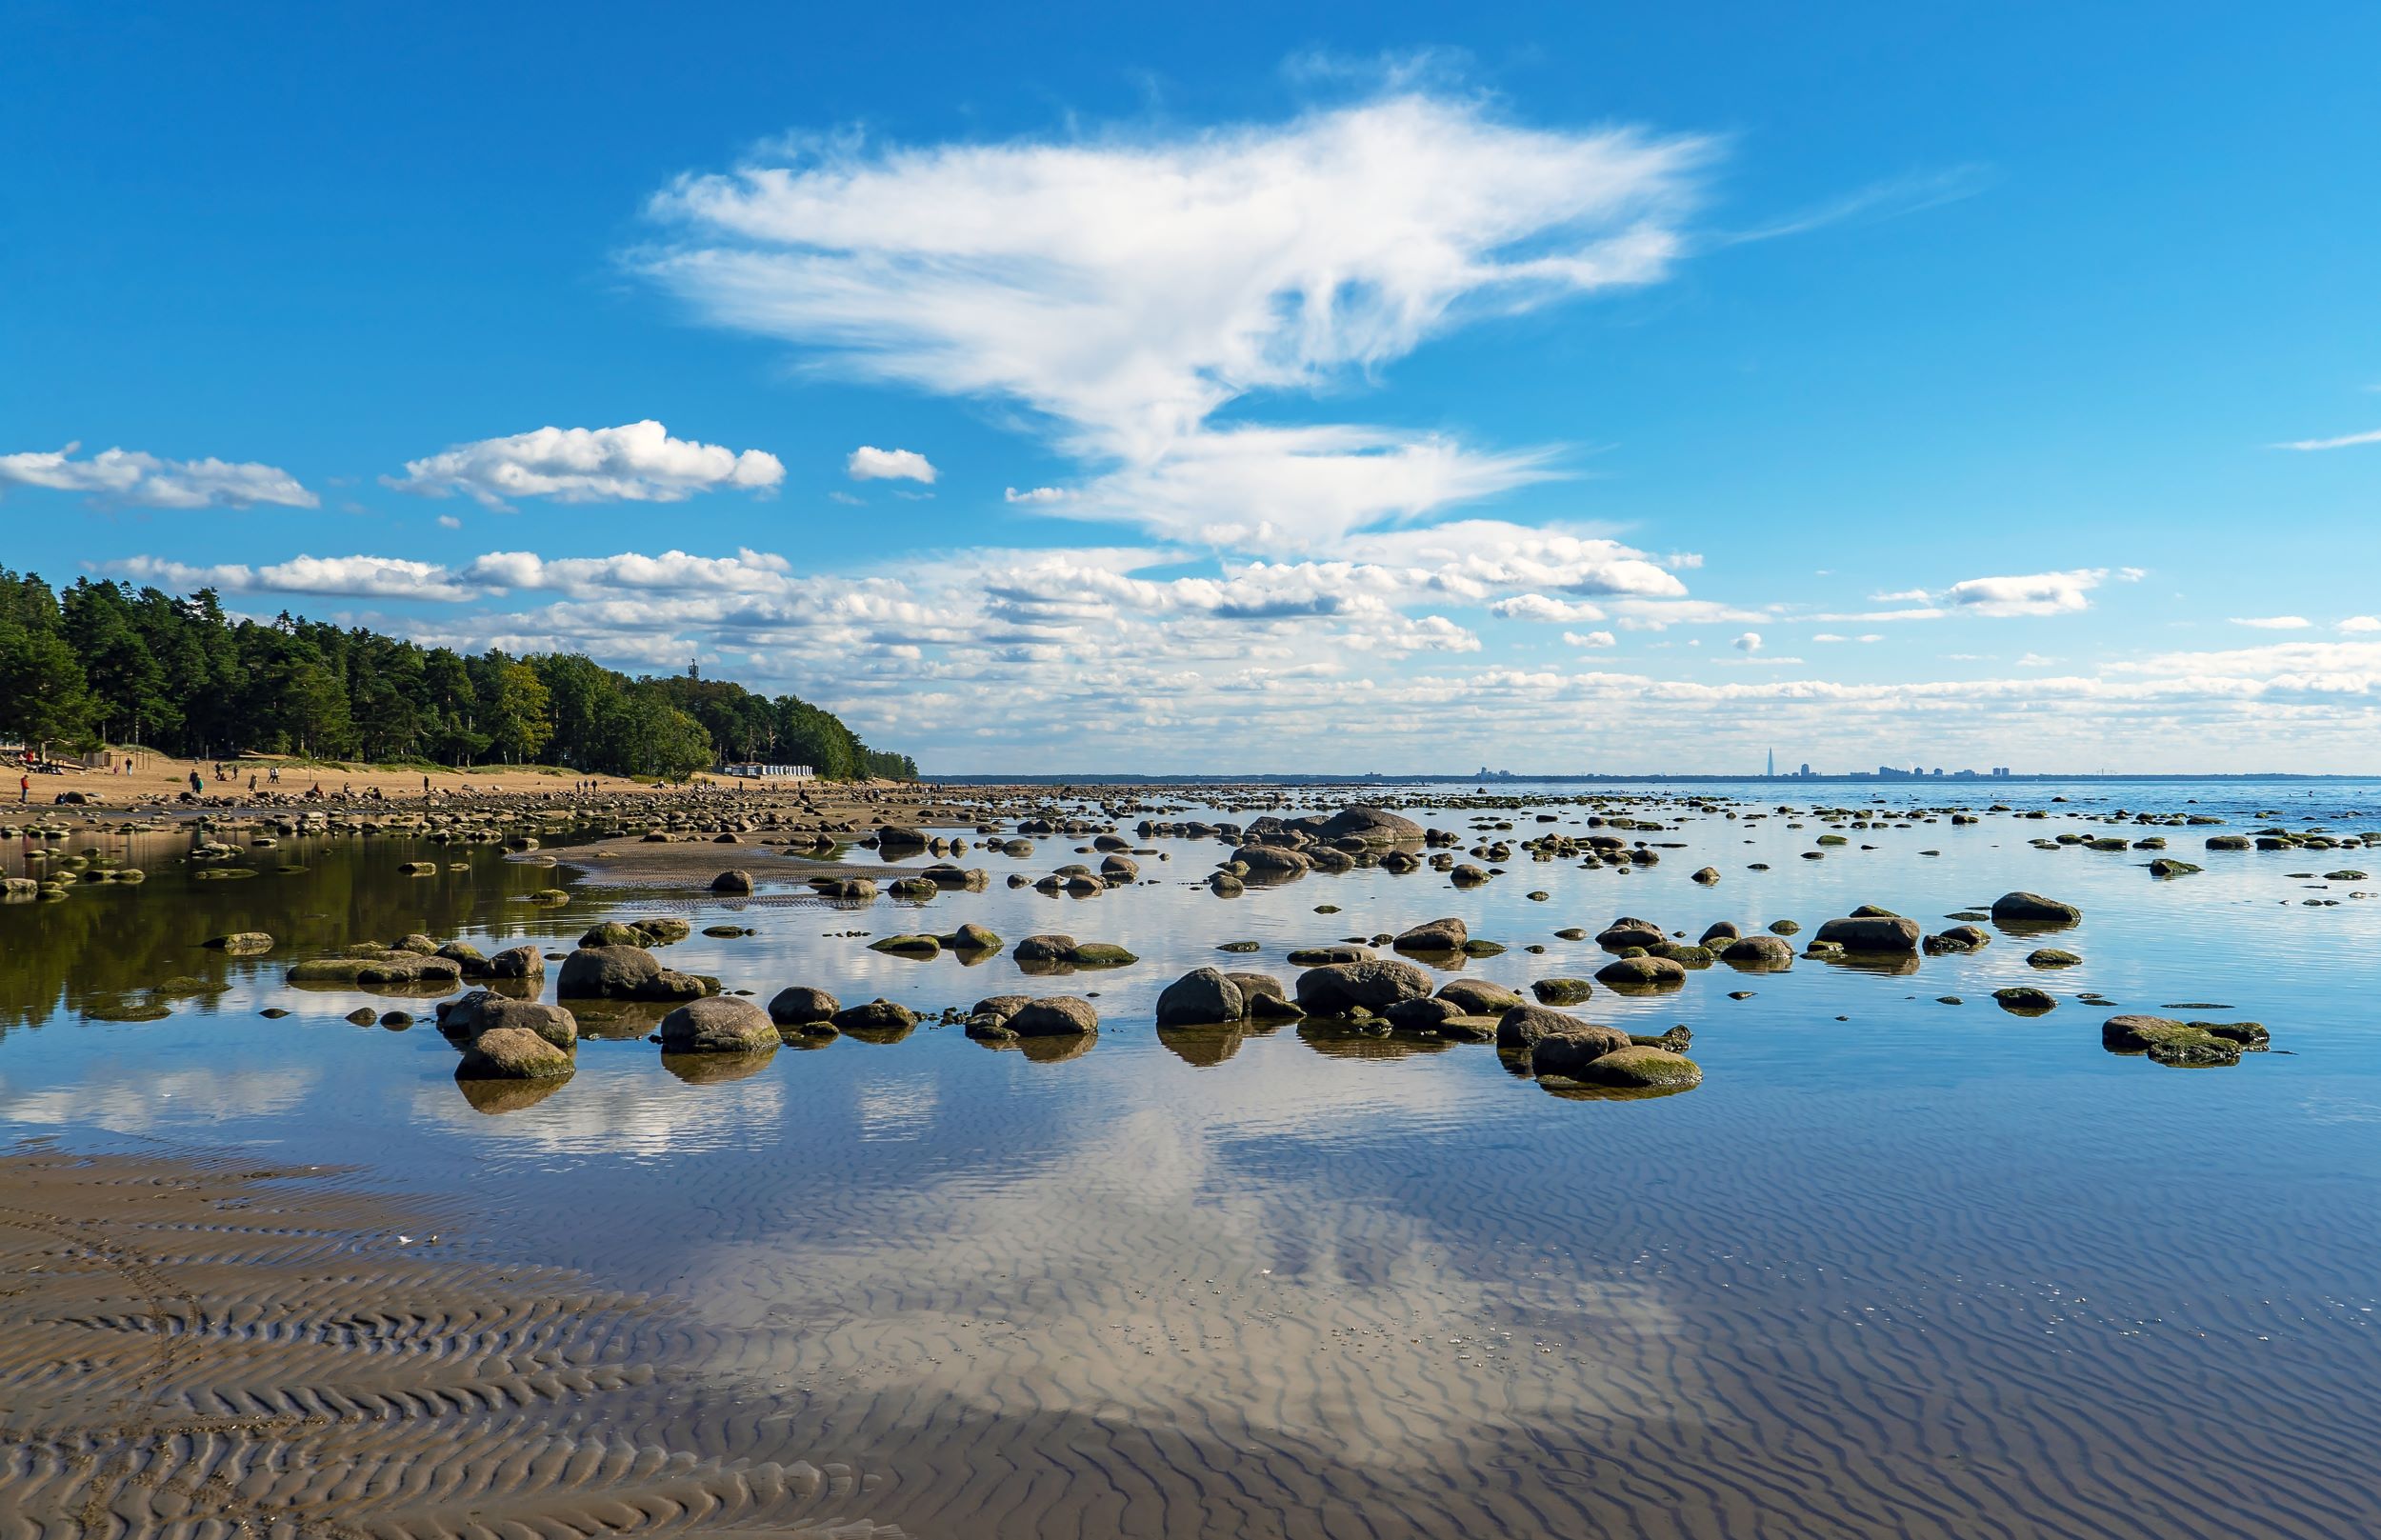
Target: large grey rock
(1759, 951)
(1478, 997)
(1336, 988)
(469, 1017)
(798, 1005)
(1518, 1030)
(1061, 1015)
(1202, 995)
(515, 962)
(1569, 1052)
(1627, 931)
(718, 1024)
(1263, 998)
(625, 973)
(1373, 826)
(513, 1053)
(2022, 908)
(1871, 932)
(1434, 937)
(878, 1015)
(1641, 973)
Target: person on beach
(197, 785)
(24, 789)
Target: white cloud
(1035, 494)
(1591, 639)
(1538, 606)
(2356, 625)
(448, 521)
(131, 476)
(1660, 614)
(2043, 594)
(2274, 622)
(2344, 441)
(385, 577)
(1128, 288)
(1326, 663)
(636, 462)
(1874, 617)
(673, 572)
(869, 463)
(1750, 642)
(1830, 636)
(1902, 596)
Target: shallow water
(1896, 1267)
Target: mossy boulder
(1647, 973)
(2185, 1044)
(1561, 991)
(513, 1053)
(1570, 1052)
(1478, 997)
(1637, 1068)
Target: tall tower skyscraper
(1772, 764)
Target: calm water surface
(1897, 1267)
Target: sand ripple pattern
(203, 1349)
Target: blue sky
(1302, 388)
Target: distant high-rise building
(1806, 767)
(1772, 764)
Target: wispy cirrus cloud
(1128, 286)
(636, 462)
(131, 476)
(2274, 622)
(2344, 441)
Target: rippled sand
(203, 1348)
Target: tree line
(106, 662)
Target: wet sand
(195, 1345)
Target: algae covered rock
(1568, 1053)
(513, 1053)
(1636, 1068)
